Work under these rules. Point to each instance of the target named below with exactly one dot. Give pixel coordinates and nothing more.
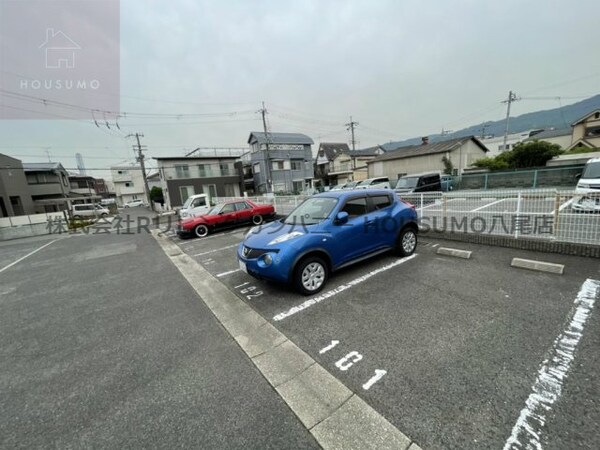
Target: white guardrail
(551, 215)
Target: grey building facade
(15, 196)
(281, 162)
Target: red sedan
(225, 215)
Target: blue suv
(327, 232)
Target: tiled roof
(427, 149)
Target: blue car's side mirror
(341, 218)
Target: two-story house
(586, 131)
(352, 165)
(325, 155)
(87, 186)
(184, 176)
(128, 182)
(281, 162)
(15, 198)
(48, 185)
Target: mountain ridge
(561, 117)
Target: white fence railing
(17, 221)
(552, 215)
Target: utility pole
(264, 113)
(512, 97)
(140, 158)
(350, 126)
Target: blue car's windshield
(312, 211)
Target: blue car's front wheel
(310, 275)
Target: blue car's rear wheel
(311, 275)
(407, 242)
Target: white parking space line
(27, 255)
(547, 388)
(208, 252)
(489, 204)
(337, 290)
(229, 272)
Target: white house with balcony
(128, 183)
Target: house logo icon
(59, 50)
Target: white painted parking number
(349, 360)
(249, 292)
(374, 379)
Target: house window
(297, 186)
(226, 169)
(211, 190)
(129, 184)
(185, 192)
(279, 188)
(122, 172)
(592, 132)
(256, 168)
(297, 164)
(277, 165)
(182, 171)
(230, 190)
(207, 170)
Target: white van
(589, 184)
(89, 210)
(195, 205)
(374, 183)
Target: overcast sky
(400, 68)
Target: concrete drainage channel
(539, 266)
(334, 415)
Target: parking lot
(547, 216)
(448, 350)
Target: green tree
(533, 154)
(156, 194)
(448, 166)
(522, 156)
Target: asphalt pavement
(104, 344)
(449, 349)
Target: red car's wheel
(257, 219)
(201, 230)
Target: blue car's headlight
(286, 237)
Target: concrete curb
(454, 252)
(334, 415)
(539, 266)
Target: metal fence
(553, 215)
(545, 214)
(550, 177)
(17, 221)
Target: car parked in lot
(195, 205)
(225, 215)
(327, 232)
(589, 186)
(88, 210)
(134, 204)
(423, 182)
(374, 183)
